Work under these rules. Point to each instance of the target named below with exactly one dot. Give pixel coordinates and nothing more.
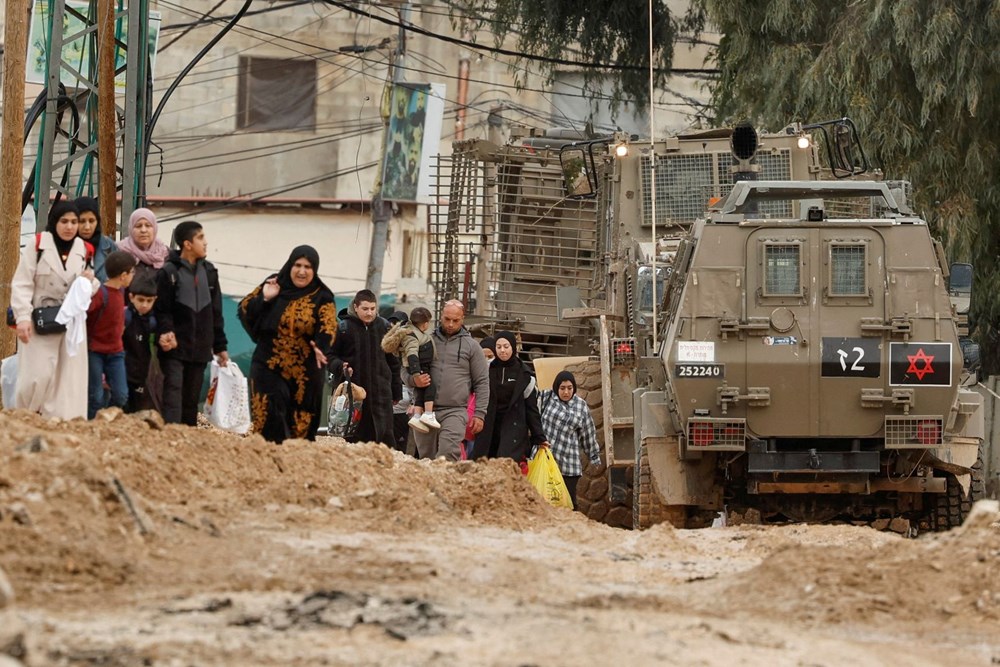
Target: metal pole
(136, 106)
(484, 277)
(464, 64)
(106, 117)
(44, 182)
(11, 167)
(381, 210)
(652, 170)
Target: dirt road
(130, 544)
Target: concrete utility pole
(107, 119)
(15, 36)
(382, 210)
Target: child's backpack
(392, 342)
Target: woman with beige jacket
(50, 380)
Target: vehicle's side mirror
(579, 174)
(960, 280)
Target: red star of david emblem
(920, 356)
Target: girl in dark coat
(358, 351)
(513, 424)
(90, 231)
(292, 318)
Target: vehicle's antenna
(652, 169)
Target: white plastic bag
(227, 405)
(8, 380)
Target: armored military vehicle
(793, 352)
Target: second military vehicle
(793, 352)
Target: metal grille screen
(847, 269)
(513, 219)
(781, 270)
(686, 183)
(773, 167)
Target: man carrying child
(418, 354)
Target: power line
(207, 20)
(583, 91)
(189, 28)
(508, 52)
(261, 194)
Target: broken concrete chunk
(35, 445)
(110, 414)
(19, 513)
(6, 590)
(152, 418)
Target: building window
(847, 270)
(276, 95)
(782, 269)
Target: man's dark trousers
(182, 381)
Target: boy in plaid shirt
(569, 427)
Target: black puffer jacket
(360, 346)
(513, 423)
(196, 321)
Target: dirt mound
(86, 502)
(947, 577)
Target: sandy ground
(130, 544)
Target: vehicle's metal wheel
(647, 508)
(592, 491)
(950, 508)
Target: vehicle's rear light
(702, 435)
(929, 432)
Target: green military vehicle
(792, 352)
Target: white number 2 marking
(856, 367)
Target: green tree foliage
(920, 79)
(594, 33)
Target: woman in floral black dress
(292, 318)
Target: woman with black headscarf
(292, 318)
(513, 423)
(90, 231)
(52, 373)
(567, 421)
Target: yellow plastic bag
(544, 475)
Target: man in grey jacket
(458, 370)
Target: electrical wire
(187, 29)
(584, 93)
(151, 125)
(523, 111)
(507, 52)
(256, 196)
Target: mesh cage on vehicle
(719, 434)
(913, 431)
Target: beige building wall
(249, 244)
(309, 186)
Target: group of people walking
(151, 318)
(131, 325)
(468, 399)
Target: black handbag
(44, 320)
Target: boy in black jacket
(189, 323)
(138, 340)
